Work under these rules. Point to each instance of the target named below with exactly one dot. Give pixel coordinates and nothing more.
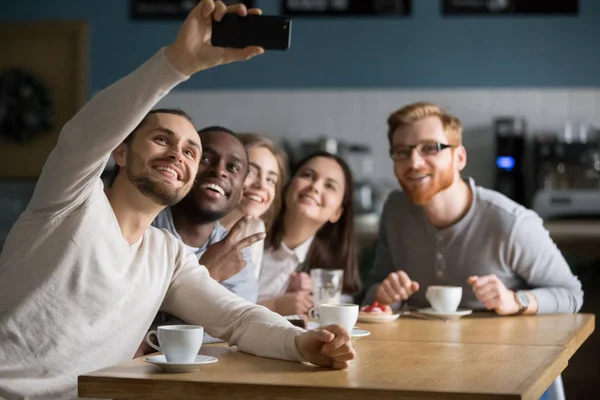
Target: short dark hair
(129, 138)
(222, 129)
(172, 111)
(216, 128)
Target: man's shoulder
(396, 202)
(495, 206)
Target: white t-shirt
(277, 267)
(75, 297)
(255, 225)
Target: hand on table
(493, 294)
(396, 287)
(328, 346)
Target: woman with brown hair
(263, 187)
(315, 229)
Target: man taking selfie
(82, 273)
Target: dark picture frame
(145, 10)
(346, 8)
(509, 7)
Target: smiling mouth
(168, 171)
(255, 198)
(418, 178)
(214, 188)
(309, 200)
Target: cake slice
(375, 309)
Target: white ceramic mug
(444, 298)
(344, 314)
(179, 343)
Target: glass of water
(326, 285)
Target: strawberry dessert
(375, 309)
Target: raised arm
(85, 143)
(536, 259)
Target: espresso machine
(511, 167)
(567, 176)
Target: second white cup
(444, 298)
(344, 314)
(179, 343)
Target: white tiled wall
(359, 115)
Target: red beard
(422, 194)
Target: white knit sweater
(74, 295)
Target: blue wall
(425, 50)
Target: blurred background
(522, 75)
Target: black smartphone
(270, 32)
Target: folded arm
(254, 329)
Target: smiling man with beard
(82, 272)
(443, 230)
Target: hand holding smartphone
(267, 31)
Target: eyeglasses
(425, 149)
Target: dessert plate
(377, 319)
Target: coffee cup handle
(155, 347)
(311, 313)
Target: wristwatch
(522, 300)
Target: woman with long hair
(263, 187)
(315, 229)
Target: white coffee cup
(444, 298)
(344, 314)
(179, 343)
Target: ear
(120, 154)
(336, 217)
(460, 158)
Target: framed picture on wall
(333, 8)
(170, 9)
(509, 7)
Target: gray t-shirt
(496, 236)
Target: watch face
(523, 299)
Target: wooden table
(566, 330)
(405, 359)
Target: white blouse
(255, 225)
(277, 266)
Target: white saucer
(356, 332)
(461, 312)
(359, 333)
(161, 361)
(378, 319)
